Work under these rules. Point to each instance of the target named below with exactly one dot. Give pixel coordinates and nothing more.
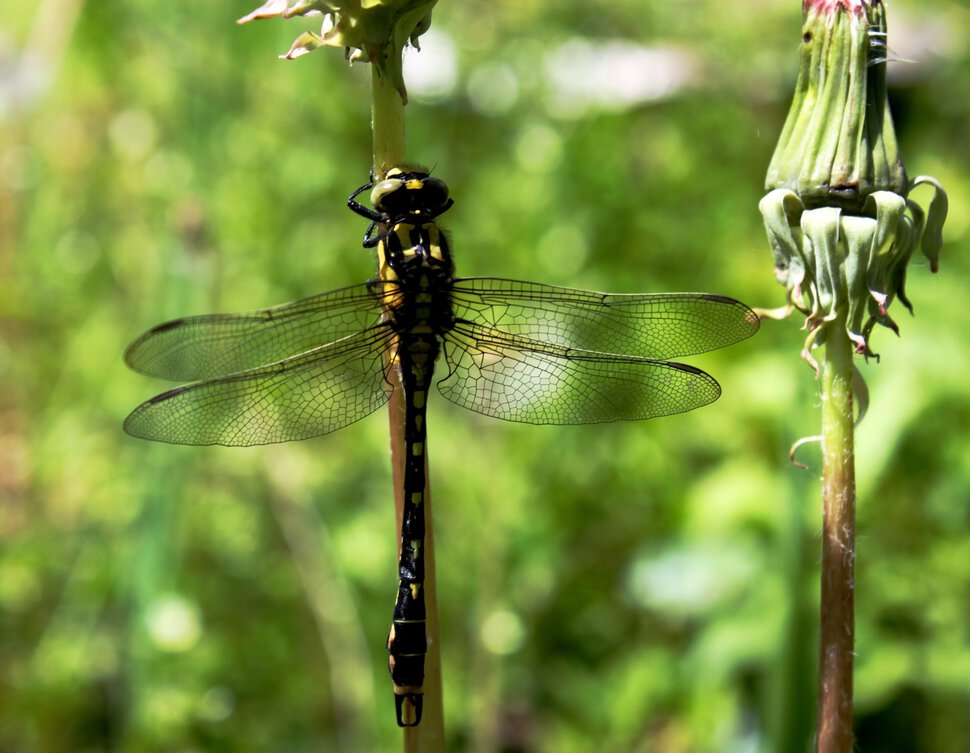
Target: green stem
(837, 637)
(387, 124)
(429, 735)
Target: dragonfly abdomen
(407, 643)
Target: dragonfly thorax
(416, 259)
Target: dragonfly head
(402, 195)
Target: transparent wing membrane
(203, 347)
(659, 326)
(315, 393)
(518, 379)
(519, 351)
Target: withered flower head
(372, 31)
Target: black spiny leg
(370, 240)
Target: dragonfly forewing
(215, 345)
(314, 393)
(651, 325)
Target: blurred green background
(640, 587)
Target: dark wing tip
(749, 318)
(688, 368)
(135, 424)
(131, 352)
(709, 381)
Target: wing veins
(212, 345)
(275, 402)
(646, 325)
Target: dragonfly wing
(311, 394)
(655, 325)
(517, 379)
(203, 347)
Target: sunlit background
(638, 587)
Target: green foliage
(645, 587)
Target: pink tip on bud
(861, 346)
(831, 6)
(880, 299)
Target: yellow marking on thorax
(403, 232)
(434, 240)
(383, 268)
(417, 399)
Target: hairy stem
(428, 736)
(837, 637)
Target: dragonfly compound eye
(435, 191)
(383, 190)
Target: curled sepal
(306, 42)
(793, 450)
(886, 208)
(820, 228)
(832, 261)
(932, 242)
(860, 239)
(269, 9)
(781, 209)
(309, 8)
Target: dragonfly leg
(355, 206)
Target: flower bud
(839, 219)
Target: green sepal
(781, 210)
(306, 42)
(932, 242)
(860, 237)
(886, 208)
(821, 246)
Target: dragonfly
(514, 350)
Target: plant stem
(837, 636)
(429, 735)
(387, 124)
